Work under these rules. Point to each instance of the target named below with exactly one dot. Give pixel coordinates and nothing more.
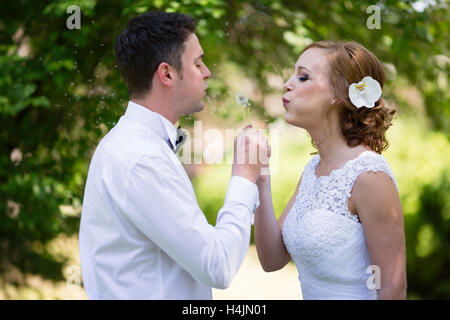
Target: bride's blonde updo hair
(349, 63)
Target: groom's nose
(207, 73)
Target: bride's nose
(287, 86)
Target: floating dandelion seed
(242, 100)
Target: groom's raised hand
(251, 155)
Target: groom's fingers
(241, 143)
(235, 148)
(264, 156)
(247, 146)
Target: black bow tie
(181, 138)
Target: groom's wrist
(242, 190)
(245, 176)
(263, 179)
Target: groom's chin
(200, 107)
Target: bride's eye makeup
(303, 77)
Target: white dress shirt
(142, 233)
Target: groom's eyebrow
(199, 57)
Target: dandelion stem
(248, 114)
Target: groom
(142, 233)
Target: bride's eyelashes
(303, 77)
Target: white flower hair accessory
(365, 93)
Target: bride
(343, 226)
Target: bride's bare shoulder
(374, 193)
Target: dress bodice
(324, 239)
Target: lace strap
(310, 167)
(371, 161)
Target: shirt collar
(145, 116)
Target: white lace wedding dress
(324, 239)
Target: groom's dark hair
(148, 40)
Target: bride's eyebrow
(302, 67)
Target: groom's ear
(166, 74)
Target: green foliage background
(60, 92)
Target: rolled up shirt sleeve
(162, 206)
